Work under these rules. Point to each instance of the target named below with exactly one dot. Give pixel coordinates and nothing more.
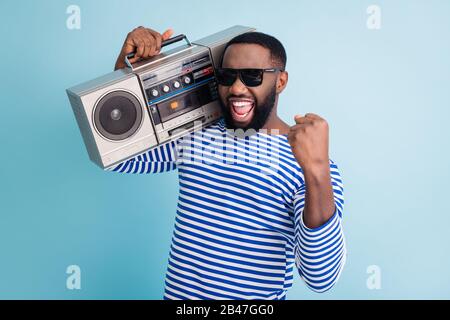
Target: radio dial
(187, 80)
(155, 92)
(166, 88)
(176, 84)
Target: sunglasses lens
(252, 77)
(226, 77)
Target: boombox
(151, 102)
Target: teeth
(240, 106)
(241, 103)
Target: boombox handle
(163, 44)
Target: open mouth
(241, 109)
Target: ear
(282, 81)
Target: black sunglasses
(249, 77)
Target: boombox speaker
(151, 102)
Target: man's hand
(309, 141)
(144, 42)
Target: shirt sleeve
(163, 158)
(320, 253)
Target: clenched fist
(145, 42)
(309, 141)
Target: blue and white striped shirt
(239, 229)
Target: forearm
(160, 159)
(320, 251)
(120, 62)
(142, 167)
(319, 199)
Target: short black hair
(277, 51)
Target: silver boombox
(153, 101)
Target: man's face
(248, 107)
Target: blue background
(384, 92)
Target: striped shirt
(239, 229)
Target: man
(241, 225)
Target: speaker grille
(118, 115)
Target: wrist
(119, 65)
(120, 62)
(317, 173)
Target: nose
(237, 88)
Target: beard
(261, 113)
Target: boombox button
(176, 84)
(166, 88)
(187, 79)
(155, 92)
